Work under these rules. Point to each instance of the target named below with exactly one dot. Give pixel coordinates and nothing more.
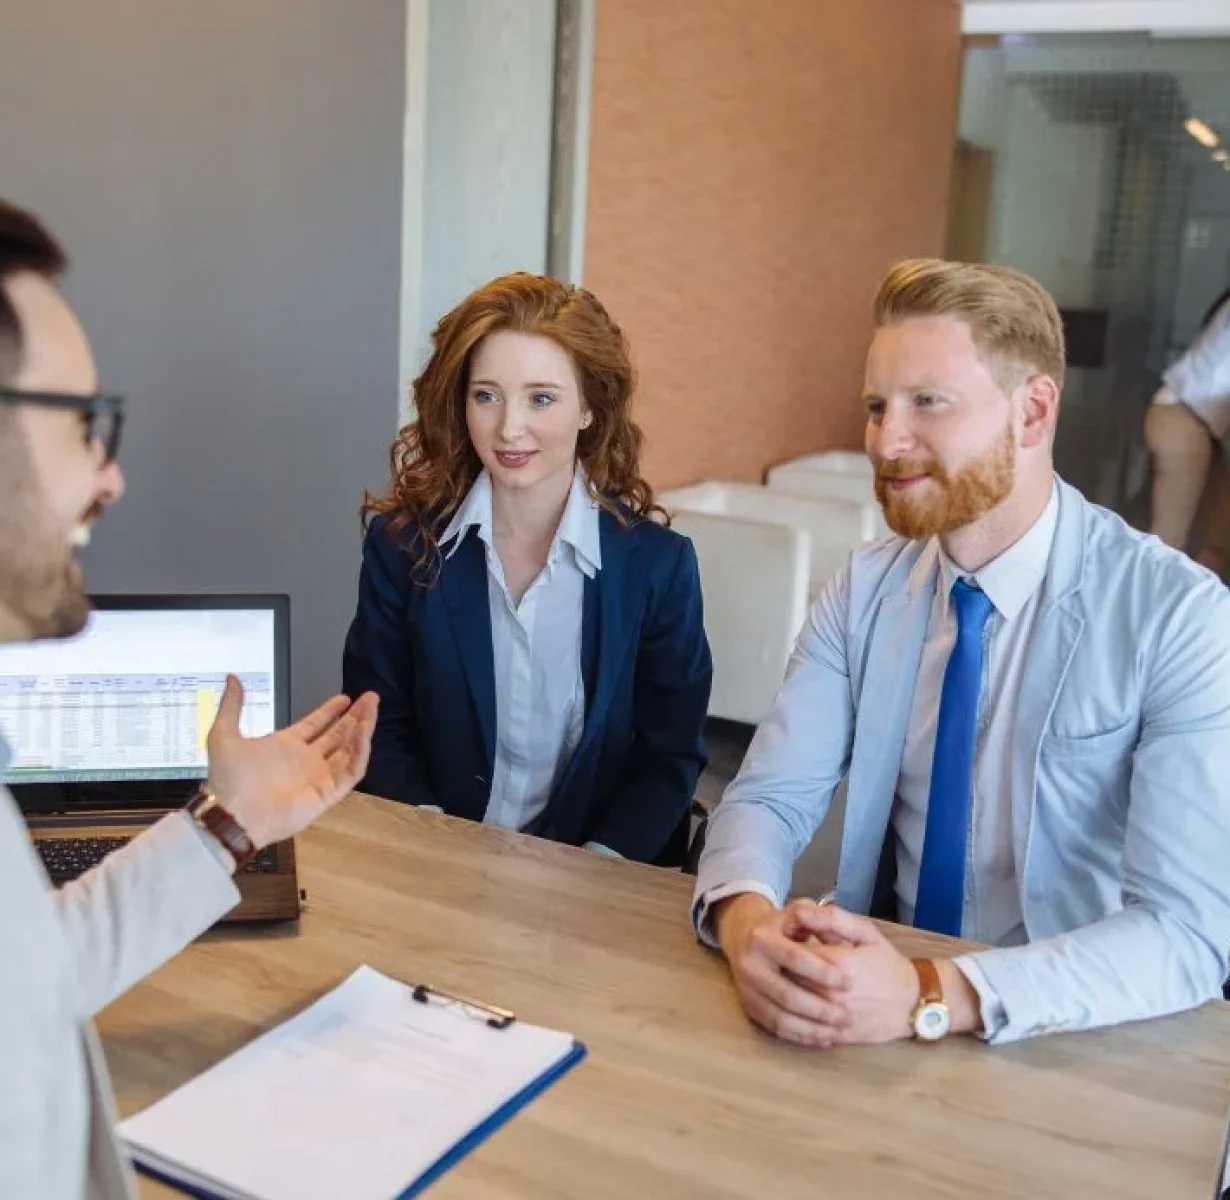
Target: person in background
(1187, 431)
(534, 634)
(1028, 700)
(68, 953)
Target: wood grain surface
(680, 1097)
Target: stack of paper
(367, 1094)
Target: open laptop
(109, 728)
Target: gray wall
(227, 178)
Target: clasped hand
(815, 974)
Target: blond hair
(1015, 323)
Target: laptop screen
(133, 697)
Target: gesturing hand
(276, 785)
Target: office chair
(698, 814)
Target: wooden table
(680, 1097)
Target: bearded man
(1028, 701)
(68, 953)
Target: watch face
(931, 1023)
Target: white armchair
(834, 475)
(834, 525)
(853, 464)
(754, 578)
(763, 555)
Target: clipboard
(352, 1097)
(494, 1018)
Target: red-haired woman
(534, 633)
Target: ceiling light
(1221, 156)
(1202, 133)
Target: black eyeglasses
(103, 414)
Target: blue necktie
(941, 877)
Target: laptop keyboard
(66, 858)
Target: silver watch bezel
(931, 1021)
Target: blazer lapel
(463, 585)
(885, 699)
(1057, 630)
(592, 605)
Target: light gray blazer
(64, 956)
(1121, 784)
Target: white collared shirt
(539, 686)
(1012, 582)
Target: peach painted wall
(755, 166)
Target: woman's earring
(587, 420)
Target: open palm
(276, 785)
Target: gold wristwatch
(930, 1019)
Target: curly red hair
(432, 461)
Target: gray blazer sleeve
(798, 756)
(65, 955)
(141, 906)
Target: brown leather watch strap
(206, 810)
(931, 990)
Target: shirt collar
(579, 528)
(1012, 578)
(475, 512)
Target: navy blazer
(427, 652)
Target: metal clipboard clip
(489, 1014)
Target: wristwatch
(930, 1019)
(207, 812)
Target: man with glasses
(66, 954)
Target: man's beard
(40, 593)
(952, 502)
